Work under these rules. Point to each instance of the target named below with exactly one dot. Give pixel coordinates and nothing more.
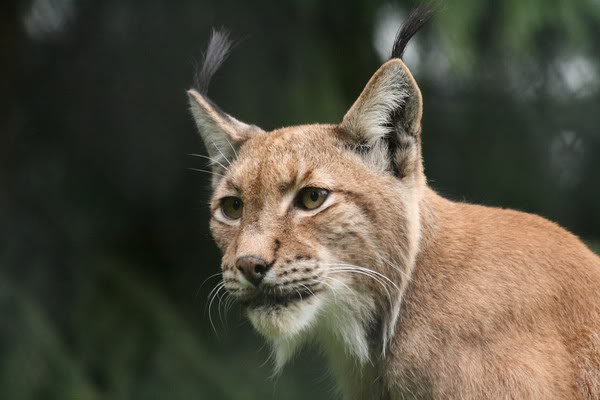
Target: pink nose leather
(253, 268)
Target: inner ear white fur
(222, 134)
(390, 105)
(368, 118)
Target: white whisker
(229, 303)
(219, 304)
(220, 283)
(307, 288)
(372, 276)
(339, 281)
(332, 290)
(216, 291)
(224, 156)
(212, 160)
(232, 148)
(395, 267)
(206, 280)
(205, 171)
(368, 270)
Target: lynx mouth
(275, 297)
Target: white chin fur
(285, 322)
(336, 320)
(286, 328)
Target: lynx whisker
(232, 148)
(309, 290)
(372, 276)
(394, 266)
(212, 160)
(224, 156)
(347, 269)
(212, 296)
(338, 281)
(223, 294)
(332, 290)
(229, 301)
(379, 274)
(220, 283)
(207, 172)
(206, 280)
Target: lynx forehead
(330, 233)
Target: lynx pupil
(314, 195)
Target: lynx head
(319, 224)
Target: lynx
(330, 234)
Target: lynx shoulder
(331, 233)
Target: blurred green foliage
(104, 233)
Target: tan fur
(470, 302)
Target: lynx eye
(232, 207)
(311, 198)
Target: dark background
(104, 240)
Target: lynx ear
(385, 120)
(222, 134)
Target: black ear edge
(404, 138)
(408, 115)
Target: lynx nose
(253, 268)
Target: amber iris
(311, 198)
(232, 207)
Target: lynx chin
(331, 235)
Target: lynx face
(298, 213)
(297, 217)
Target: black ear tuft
(216, 53)
(415, 21)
